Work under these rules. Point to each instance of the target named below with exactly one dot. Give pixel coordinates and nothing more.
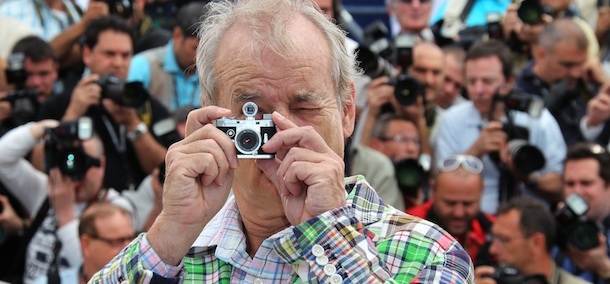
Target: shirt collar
(170, 64)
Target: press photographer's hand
(306, 171)
(491, 139)
(199, 174)
(86, 93)
(595, 259)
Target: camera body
(411, 174)
(121, 8)
(24, 101)
(249, 135)
(64, 150)
(129, 94)
(573, 226)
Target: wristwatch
(137, 132)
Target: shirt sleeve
(590, 133)
(335, 247)
(139, 263)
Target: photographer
(523, 236)
(135, 136)
(564, 76)
(587, 172)
(476, 128)
(428, 69)
(54, 201)
(168, 71)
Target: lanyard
(43, 23)
(119, 142)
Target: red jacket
(474, 239)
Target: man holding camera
(168, 72)
(564, 76)
(135, 138)
(293, 218)
(479, 128)
(522, 237)
(587, 173)
(54, 200)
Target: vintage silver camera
(250, 134)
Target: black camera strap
(118, 139)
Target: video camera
(573, 226)
(378, 56)
(24, 101)
(129, 94)
(121, 8)
(63, 148)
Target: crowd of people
(467, 143)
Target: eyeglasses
(400, 139)
(115, 242)
(411, 1)
(453, 162)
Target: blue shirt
(187, 89)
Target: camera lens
(247, 141)
(584, 235)
(71, 162)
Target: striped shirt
(363, 242)
(44, 21)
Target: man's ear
(538, 53)
(177, 34)
(86, 55)
(349, 112)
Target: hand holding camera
(95, 10)
(85, 94)
(491, 139)
(598, 108)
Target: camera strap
(43, 24)
(117, 139)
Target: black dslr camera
(505, 274)
(378, 56)
(573, 226)
(121, 8)
(526, 157)
(24, 101)
(250, 134)
(63, 148)
(530, 12)
(129, 94)
(411, 174)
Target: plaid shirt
(362, 242)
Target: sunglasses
(453, 162)
(411, 1)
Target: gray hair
(562, 30)
(267, 21)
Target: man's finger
(200, 117)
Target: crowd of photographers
(489, 119)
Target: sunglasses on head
(467, 162)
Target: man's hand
(199, 176)
(481, 275)
(11, 222)
(86, 93)
(594, 72)
(62, 195)
(379, 93)
(38, 129)
(306, 171)
(95, 10)
(598, 108)
(492, 139)
(595, 259)
(122, 115)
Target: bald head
(564, 31)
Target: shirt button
(329, 269)
(322, 260)
(317, 250)
(258, 281)
(336, 279)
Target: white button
(322, 260)
(317, 250)
(258, 281)
(329, 269)
(335, 279)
